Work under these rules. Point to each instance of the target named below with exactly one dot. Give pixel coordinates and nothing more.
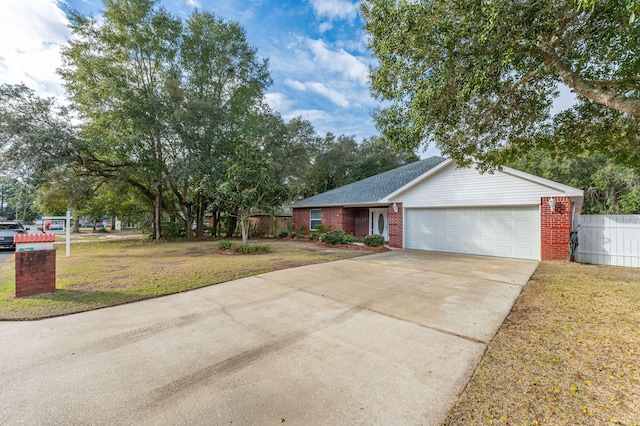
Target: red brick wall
(360, 222)
(35, 272)
(555, 228)
(301, 217)
(335, 218)
(395, 226)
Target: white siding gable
(467, 187)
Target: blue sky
(316, 50)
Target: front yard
(114, 272)
(568, 353)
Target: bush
(253, 249)
(315, 235)
(373, 240)
(230, 245)
(226, 245)
(334, 237)
(348, 239)
(283, 234)
(172, 230)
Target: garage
(512, 231)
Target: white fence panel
(609, 240)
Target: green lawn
(109, 273)
(568, 353)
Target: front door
(379, 222)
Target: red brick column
(395, 226)
(555, 228)
(35, 272)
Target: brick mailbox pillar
(35, 264)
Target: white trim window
(315, 218)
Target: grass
(568, 353)
(110, 273)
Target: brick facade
(395, 226)
(301, 219)
(360, 222)
(35, 272)
(555, 228)
(351, 220)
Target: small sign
(53, 225)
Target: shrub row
(335, 236)
(230, 245)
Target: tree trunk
(231, 226)
(157, 212)
(202, 206)
(245, 224)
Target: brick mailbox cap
(34, 238)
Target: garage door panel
(504, 231)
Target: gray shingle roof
(371, 189)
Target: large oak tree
(479, 78)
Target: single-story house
(434, 205)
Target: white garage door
(503, 232)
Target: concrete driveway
(390, 338)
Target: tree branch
(587, 88)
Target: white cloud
(278, 101)
(295, 84)
(339, 61)
(335, 9)
(325, 26)
(193, 3)
(322, 89)
(334, 96)
(307, 114)
(31, 34)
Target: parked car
(7, 231)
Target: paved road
(390, 338)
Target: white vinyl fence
(609, 240)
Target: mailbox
(32, 242)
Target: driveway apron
(390, 338)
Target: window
(316, 218)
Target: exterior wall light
(552, 204)
(395, 208)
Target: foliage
(245, 249)
(315, 235)
(283, 234)
(348, 239)
(249, 185)
(254, 249)
(226, 244)
(337, 236)
(608, 188)
(172, 230)
(162, 100)
(334, 237)
(479, 79)
(373, 240)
